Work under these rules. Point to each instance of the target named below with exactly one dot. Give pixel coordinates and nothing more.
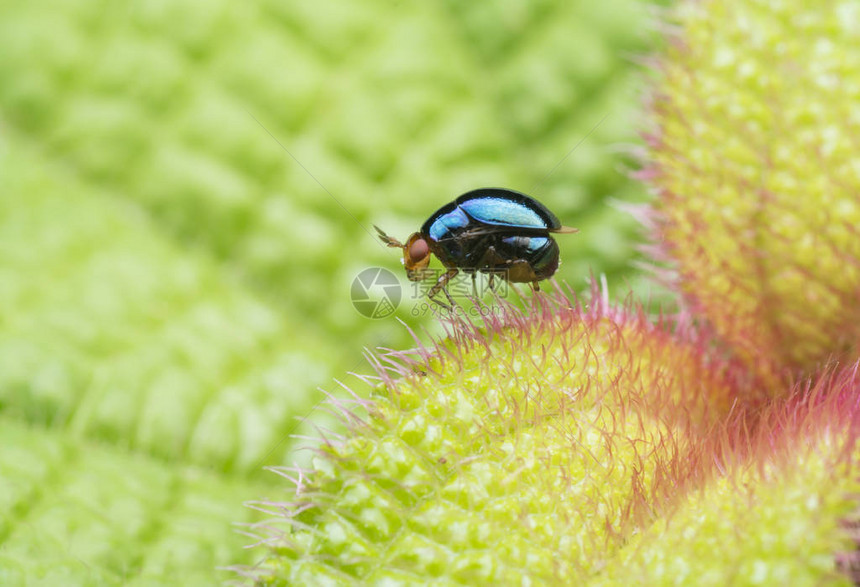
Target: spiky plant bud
(779, 506)
(531, 450)
(755, 158)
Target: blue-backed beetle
(492, 230)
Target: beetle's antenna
(391, 242)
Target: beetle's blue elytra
(492, 230)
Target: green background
(174, 286)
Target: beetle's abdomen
(541, 253)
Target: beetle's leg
(474, 287)
(489, 263)
(535, 286)
(441, 284)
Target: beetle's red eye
(418, 250)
